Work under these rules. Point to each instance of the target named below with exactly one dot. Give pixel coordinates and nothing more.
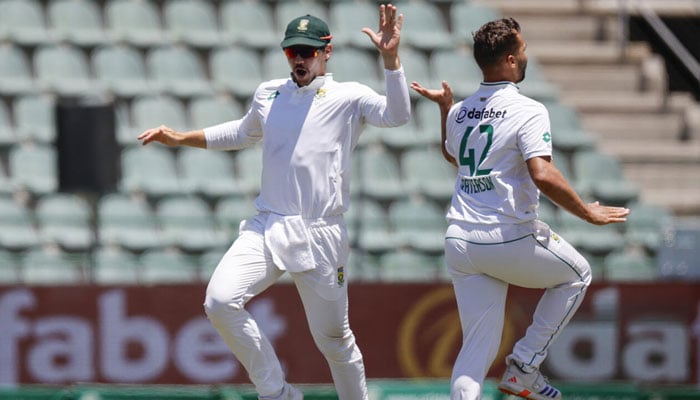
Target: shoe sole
(523, 393)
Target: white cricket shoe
(533, 385)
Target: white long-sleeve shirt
(308, 134)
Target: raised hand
(443, 97)
(387, 37)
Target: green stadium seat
(167, 266)
(193, 22)
(7, 130)
(151, 111)
(188, 224)
(208, 173)
(9, 268)
(178, 70)
(150, 170)
(63, 69)
(15, 71)
(17, 231)
(350, 64)
(77, 21)
(128, 222)
(425, 171)
(66, 220)
(368, 226)
(231, 210)
(417, 68)
(136, 22)
(406, 265)
(23, 22)
(114, 266)
(347, 19)
(235, 69)
(274, 64)
(122, 69)
(248, 24)
(625, 265)
(35, 118)
(594, 239)
(535, 84)
(248, 163)
(213, 110)
(418, 223)
(646, 226)
(567, 132)
(467, 17)
(378, 173)
(600, 176)
(34, 168)
(459, 69)
(52, 266)
(427, 30)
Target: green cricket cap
(306, 31)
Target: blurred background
(106, 246)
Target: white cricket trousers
(483, 260)
(247, 269)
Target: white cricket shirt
(308, 134)
(491, 134)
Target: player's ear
(511, 60)
(329, 50)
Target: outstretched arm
(444, 99)
(553, 184)
(388, 36)
(171, 137)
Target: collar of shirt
(494, 86)
(316, 84)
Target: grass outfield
(379, 390)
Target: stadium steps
(620, 93)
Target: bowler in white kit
(308, 124)
(501, 143)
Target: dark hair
(495, 40)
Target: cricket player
(501, 143)
(308, 124)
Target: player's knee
(218, 306)
(339, 348)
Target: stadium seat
(15, 71)
(178, 70)
(122, 69)
(213, 110)
(128, 222)
(378, 173)
(167, 266)
(406, 265)
(362, 266)
(9, 268)
(17, 231)
(626, 265)
(467, 17)
(417, 69)
(151, 111)
(64, 69)
(236, 69)
(52, 266)
(7, 130)
(368, 226)
(427, 30)
(5, 182)
(207, 173)
(23, 22)
(597, 240)
(114, 266)
(356, 65)
(646, 226)
(208, 262)
(35, 118)
(77, 21)
(231, 210)
(150, 170)
(193, 22)
(567, 133)
(600, 176)
(418, 223)
(187, 223)
(427, 115)
(425, 171)
(66, 220)
(347, 18)
(249, 24)
(536, 85)
(134, 21)
(459, 69)
(34, 168)
(274, 64)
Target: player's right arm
(170, 137)
(445, 100)
(552, 184)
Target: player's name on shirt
(476, 184)
(483, 113)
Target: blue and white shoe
(532, 385)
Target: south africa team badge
(341, 276)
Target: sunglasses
(303, 51)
